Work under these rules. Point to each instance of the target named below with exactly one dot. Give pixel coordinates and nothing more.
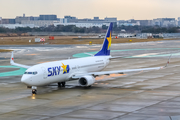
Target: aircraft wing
(123, 71)
(126, 71)
(77, 76)
(95, 74)
(16, 64)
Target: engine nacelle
(86, 81)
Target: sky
(122, 9)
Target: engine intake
(86, 81)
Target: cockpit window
(32, 73)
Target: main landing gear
(61, 84)
(34, 90)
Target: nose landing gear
(34, 90)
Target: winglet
(116, 57)
(12, 58)
(168, 61)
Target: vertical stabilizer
(105, 50)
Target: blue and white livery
(84, 70)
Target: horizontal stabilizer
(116, 57)
(16, 64)
(89, 54)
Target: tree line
(73, 28)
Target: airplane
(84, 70)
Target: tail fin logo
(109, 41)
(105, 50)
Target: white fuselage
(53, 72)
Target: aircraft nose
(25, 79)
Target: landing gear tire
(59, 84)
(63, 84)
(87, 87)
(34, 91)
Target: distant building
(110, 19)
(14, 26)
(47, 17)
(70, 19)
(46, 20)
(63, 20)
(12, 21)
(18, 19)
(40, 23)
(178, 21)
(156, 22)
(0, 20)
(35, 18)
(145, 22)
(169, 22)
(128, 23)
(81, 25)
(133, 22)
(8, 21)
(5, 21)
(96, 18)
(144, 35)
(165, 22)
(171, 35)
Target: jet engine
(86, 81)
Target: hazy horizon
(123, 10)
